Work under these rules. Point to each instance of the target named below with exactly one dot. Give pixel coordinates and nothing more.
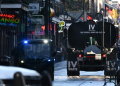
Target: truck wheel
(73, 73)
(46, 80)
(68, 73)
(118, 80)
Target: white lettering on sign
(91, 27)
(112, 64)
(72, 65)
(72, 69)
(91, 30)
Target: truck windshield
(37, 50)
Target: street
(95, 78)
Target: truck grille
(36, 60)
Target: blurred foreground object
(21, 77)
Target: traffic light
(65, 33)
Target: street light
(65, 15)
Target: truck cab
(36, 54)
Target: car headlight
(45, 41)
(49, 60)
(22, 61)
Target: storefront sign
(9, 20)
(33, 6)
(61, 24)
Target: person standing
(62, 51)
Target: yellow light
(22, 61)
(114, 13)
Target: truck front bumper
(39, 66)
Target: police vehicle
(35, 54)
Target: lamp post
(65, 18)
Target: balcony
(15, 1)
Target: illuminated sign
(9, 20)
(61, 24)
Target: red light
(104, 55)
(33, 33)
(106, 8)
(110, 11)
(7, 15)
(43, 27)
(119, 36)
(80, 55)
(49, 27)
(88, 17)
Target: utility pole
(85, 10)
(0, 6)
(46, 19)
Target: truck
(36, 54)
(91, 46)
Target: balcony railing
(15, 1)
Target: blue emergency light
(49, 60)
(25, 42)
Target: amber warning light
(80, 55)
(104, 55)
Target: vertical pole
(53, 35)
(20, 36)
(23, 21)
(110, 35)
(105, 10)
(85, 10)
(26, 26)
(118, 32)
(103, 31)
(83, 7)
(49, 18)
(57, 35)
(46, 19)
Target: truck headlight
(22, 61)
(49, 60)
(45, 41)
(46, 60)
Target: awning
(111, 6)
(15, 6)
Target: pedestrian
(62, 51)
